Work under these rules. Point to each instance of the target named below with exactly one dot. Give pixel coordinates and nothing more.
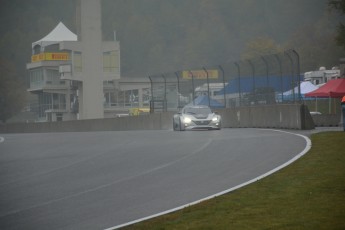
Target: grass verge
(308, 194)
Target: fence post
(221, 68)
(239, 81)
(192, 86)
(208, 88)
(292, 77)
(266, 64)
(253, 76)
(152, 98)
(298, 76)
(281, 75)
(165, 104)
(178, 91)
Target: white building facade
(322, 75)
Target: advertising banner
(200, 74)
(50, 57)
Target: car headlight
(187, 120)
(215, 119)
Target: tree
(259, 47)
(12, 91)
(315, 43)
(339, 5)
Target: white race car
(196, 117)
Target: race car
(196, 117)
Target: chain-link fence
(266, 79)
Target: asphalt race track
(96, 180)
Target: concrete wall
(149, 122)
(268, 116)
(327, 120)
(273, 116)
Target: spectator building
(71, 73)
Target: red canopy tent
(333, 88)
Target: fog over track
(96, 180)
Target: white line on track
(304, 151)
(2, 139)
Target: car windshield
(191, 110)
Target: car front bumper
(202, 124)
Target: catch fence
(266, 79)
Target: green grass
(308, 194)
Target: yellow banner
(200, 74)
(50, 57)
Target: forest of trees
(168, 35)
(159, 36)
(162, 36)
